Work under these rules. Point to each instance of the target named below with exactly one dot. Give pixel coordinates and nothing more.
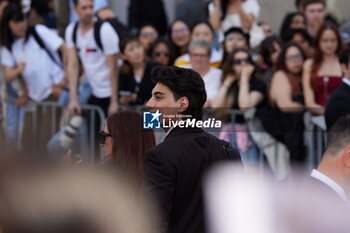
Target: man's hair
(339, 135)
(344, 57)
(76, 2)
(306, 3)
(183, 83)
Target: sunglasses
(159, 53)
(297, 57)
(239, 61)
(102, 137)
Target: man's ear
(346, 156)
(184, 103)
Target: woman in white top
(200, 52)
(225, 14)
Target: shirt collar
(331, 183)
(346, 81)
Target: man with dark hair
(315, 12)
(174, 169)
(339, 102)
(333, 172)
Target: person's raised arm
(248, 99)
(309, 95)
(113, 76)
(219, 100)
(215, 15)
(246, 19)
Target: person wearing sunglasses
(162, 52)
(285, 120)
(125, 143)
(240, 90)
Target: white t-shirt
(93, 58)
(212, 81)
(233, 20)
(40, 71)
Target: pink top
(324, 87)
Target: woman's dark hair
(130, 142)
(126, 67)
(281, 65)
(228, 63)
(267, 48)
(146, 25)
(292, 32)
(183, 83)
(11, 12)
(206, 23)
(176, 48)
(318, 54)
(246, 36)
(167, 44)
(287, 21)
(224, 6)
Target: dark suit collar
(180, 131)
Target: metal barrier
(93, 112)
(90, 112)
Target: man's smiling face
(163, 99)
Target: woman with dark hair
(240, 90)
(224, 14)
(285, 121)
(269, 51)
(135, 84)
(162, 52)
(293, 20)
(179, 35)
(147, 35)
(322, 74)
(234, 38)
(202, 31)
(31, 53)
(125, 143)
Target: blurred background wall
(272, 11)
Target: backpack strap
(42, 45)
(97, 33)
(74, 35)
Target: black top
(173, 172)
(255, 84)
(127, 84)
(338, 105)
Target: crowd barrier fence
(315, 133)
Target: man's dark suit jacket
(338, 105)
(173, 173)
